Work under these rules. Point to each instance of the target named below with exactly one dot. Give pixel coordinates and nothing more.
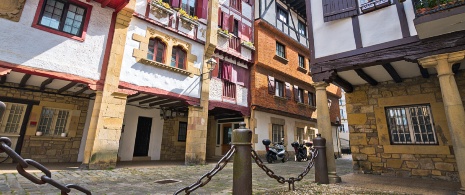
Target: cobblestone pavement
(142, 180)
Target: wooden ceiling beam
(173, 105)
(92, 95)
(133, 95)
(81, 90)
(366, 77)
(151, 100)
(45, 83)
(395, 76)
(161, 102)
(3, 79)
(139, 98)
(24, 80)
(424, 72)
(66, 87)
(343, 84)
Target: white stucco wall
(216, 93)
(150, 76)
(128, 138)
(24, 45)
(247, 10)
(331, 37)
(82, 147)
(380, 26)
(409, 12)
(216, 89)
(268, 15)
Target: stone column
(102, 143)
(324, 127)
(453, 106)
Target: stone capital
(320, 85)
(433, 61)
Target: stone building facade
(369, 138)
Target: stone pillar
(324, 127)
(104, 132)
(453, 106)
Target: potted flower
(161, 8)
(248, 45)
(38, 133)
(188, 21)
(224, 33)
(63, 134)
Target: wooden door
(227, 133)
(141, 145)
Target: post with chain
(242, 166)
(321, 168)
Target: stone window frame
(52, 131)
(277, 121)
(141, 53)
(176, 130)
(307, 129)
(383, 131)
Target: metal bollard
(2, 108)
(321, 168)
(242, 166)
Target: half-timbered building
(400, 63)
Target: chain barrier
(5, 144)
(219, 166)
(280, 179)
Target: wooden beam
(81, 90)
(66, 87)
(3, 79)
(455, 68)
(366, 77)
(395, 76)
(45, 83)
(24, 80)
(151, 100)
(133, 95)
(140, 98)
(343, 84)
(173, 105)
(161, 102)
(424, 72)
(92, 95)
(293, 4)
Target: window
(411, 125)
(302, 29)
(12, 118)
(282, 15)
(53, 121)
(277, 133)
(182, 133)
(301, 61)
(300, 135)
(64, 16)
(156, 50)
(236, 4)
(188, 6)
(178, 58)
(280, 50)
(279, 88)
(300, 95)
(311, 99)
(236, 28)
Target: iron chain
(5, 144)
(219, 166)
(281, 179)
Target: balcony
(229, 90)
(438, 17)
(235, 43)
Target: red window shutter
(231, 23)
(337, 9)
(271, 86)
(201, 9)
(245, 32)
(175, 3)
(250, 33)
(296, 93)
(225, 21)
(288, 90)
(216, 70)
(239, 30)
(220, 15)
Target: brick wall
(48, 148)
(372, 150)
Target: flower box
(223, 34)
(248, 46)
(160, 11)
(368, 7)
(382, 3)
(188, 23)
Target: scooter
(300, 150)
(275, 153)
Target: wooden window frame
(278, 44)
(180, 134)
(278, 8)
(300, 95)
(237, 6)
(52, 130)
(155, 50)
(300, 23)
(279, 128)
(179, 50)
(301, 59)
(279, 91)
(84, 25)
(312, 102)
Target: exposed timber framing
(151, 100)
(24, 80)
(140, 98)
(45, 83)
(343, 84)
(81, 91)
(395, 76)
(66, 87)
(424, 72)
(161, 102)
(366, 77)
(3, 79)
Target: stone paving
(142, 180)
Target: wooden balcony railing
(425, 7)
(229, 89)
(235, 43)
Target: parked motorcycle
(275, 153)
(300, 150)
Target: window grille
(229, 89)
(53, 121)
(182, 134)
(411, 125)
(280, 51)
(13, 118)
(63, 16)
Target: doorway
(141, 145)
(227, 134)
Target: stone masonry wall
(372, 151)
(171, 148)
(48, 148)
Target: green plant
(224, 31)
(184, 13)
(248, 43)
(160, 2)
